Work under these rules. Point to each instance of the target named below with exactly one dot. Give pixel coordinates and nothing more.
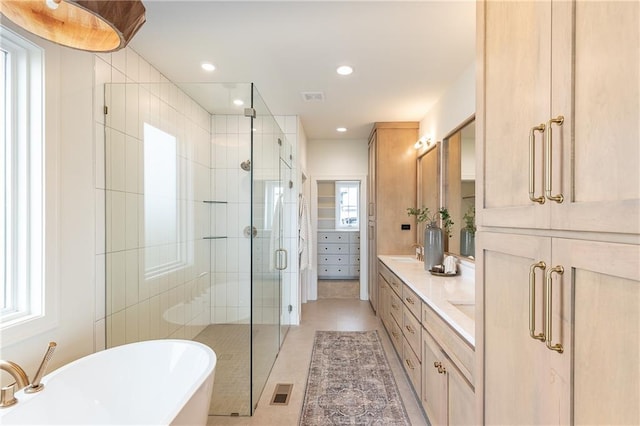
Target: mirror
(428, 184)
(459, 187)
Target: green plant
(447, 223)
(424, 215)
(470, 220)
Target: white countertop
(442, 294)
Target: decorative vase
(467, 243)
(433, 246)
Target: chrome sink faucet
(7, 397)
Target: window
(22, 296)
(347, 204)
(165, 220)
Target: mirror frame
(444, 182)
(420, 202)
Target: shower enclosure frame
(179, 298)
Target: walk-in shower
(198, 227)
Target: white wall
(70, 208)
(337, 157)
(332, 159)
(455, 106)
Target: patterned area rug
(350, 382)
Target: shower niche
(186, 172)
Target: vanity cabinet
(447, 397)
(558, 115)
(438, 361)
(391, 190)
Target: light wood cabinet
(437, 361)
(447, 397)
(391, 190)
(592, 290)
(558, 89)
(570, 85)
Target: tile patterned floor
(292, 364)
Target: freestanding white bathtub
(156, 382)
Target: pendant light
(92, 25)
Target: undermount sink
(466, 307)
(403, 259)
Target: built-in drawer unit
(413, 302)
(334, 259)
(411, 328)
(338, 255)
(412, 366)
(395, 307)
(394, 283)
(333, 249)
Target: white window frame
(24, 209)
(350, 184)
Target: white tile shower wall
(140, 307)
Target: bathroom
(76, 227)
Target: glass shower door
(268, 258)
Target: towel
(304, 234)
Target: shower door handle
(279, 265)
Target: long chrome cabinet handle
(532, 300)
(548, 309)
(532, 163)
(559, 120)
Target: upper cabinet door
(596, 88)
(514, 88)
(559, 101)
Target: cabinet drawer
(396, 337)
(333, 259)
(395, 307)
(394, 282)
(412, 366)
(354, 270)
(412, 301)
(460, 352)
(354, 237)
(354, 248)
(333, 237)
(411, 328)
(333, 271)
(354, 259)
(333, 249)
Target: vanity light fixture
(344, 70)
(207, 66)
(94, 26)
(341, 129)
(422, 142)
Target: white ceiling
(404, 54)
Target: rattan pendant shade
(92, 25)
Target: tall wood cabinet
(558, 246)
(391, 190)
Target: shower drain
(281, 394)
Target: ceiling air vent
(313, 96)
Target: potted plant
(433, 237)
(468, 233)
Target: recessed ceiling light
(208, 66)
(238, 102)
(344, 70)
(341, 129)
